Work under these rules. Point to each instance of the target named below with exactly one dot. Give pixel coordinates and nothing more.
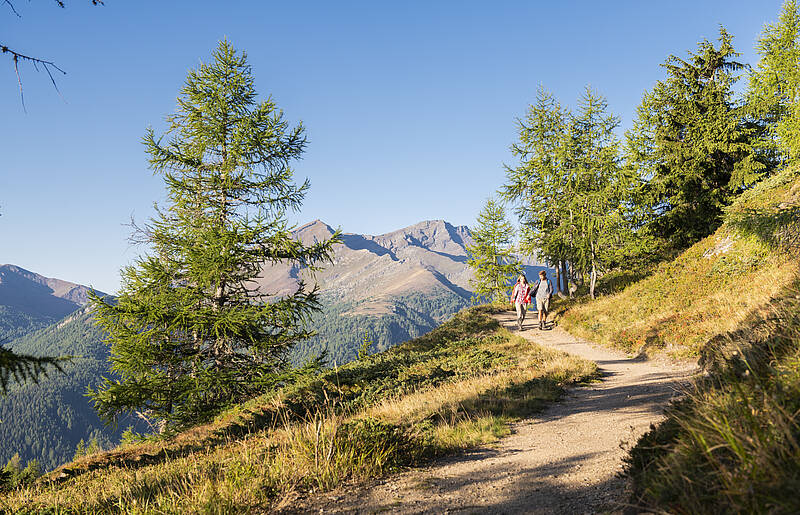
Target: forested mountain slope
(46, 421)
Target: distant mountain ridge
(428, 255)
(387, 288)
(29, 301)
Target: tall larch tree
(491, 256)
(537, 185)
(569, 188)
(774, 89)
(190, 331)
(692, 144)
(597, 186)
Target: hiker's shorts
(542, 305)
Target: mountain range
(385, 289)
(29, 301)
(428, 256)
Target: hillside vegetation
(455, 387)
(712, 288)
(46, 421)
(733, 443)
(342, 325)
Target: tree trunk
(565, 275)
(558, 278)
(593, 279)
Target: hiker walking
(520, 297)
(543, 291)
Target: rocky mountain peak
(432, 235)
(314, 231)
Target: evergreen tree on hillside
(490, 256)
(598, 187)
(539, 184)
(569, 188)
(190, 332)
(774, 92)
(692, 145)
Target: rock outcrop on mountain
(424, 257)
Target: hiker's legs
(541, 307)
(520, 314)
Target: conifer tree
(539, 186)
(692, 145)
(23, 367)
(490, 257)
(774, 90)
(569, 188)
(190, 332)
(597, 186)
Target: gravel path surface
(564, 460)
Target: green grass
(708, 290)
(456, 387)
(731, 302)
(733, 443)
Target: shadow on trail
(536, 489)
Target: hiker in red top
(520, 297)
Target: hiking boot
(519, 325)
(541, 326)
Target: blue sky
(410, 106)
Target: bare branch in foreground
(47, 65)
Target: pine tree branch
(16, 57)
(13, 9)
(23, 367)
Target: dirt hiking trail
(563, 460)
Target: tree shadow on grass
(778, 227)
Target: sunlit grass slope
(455, 387)
(712, 288)
(732, 444)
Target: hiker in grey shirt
(542, 291)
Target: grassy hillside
(709, 290)
(46, 421)
(732, 301)
(454, 387)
